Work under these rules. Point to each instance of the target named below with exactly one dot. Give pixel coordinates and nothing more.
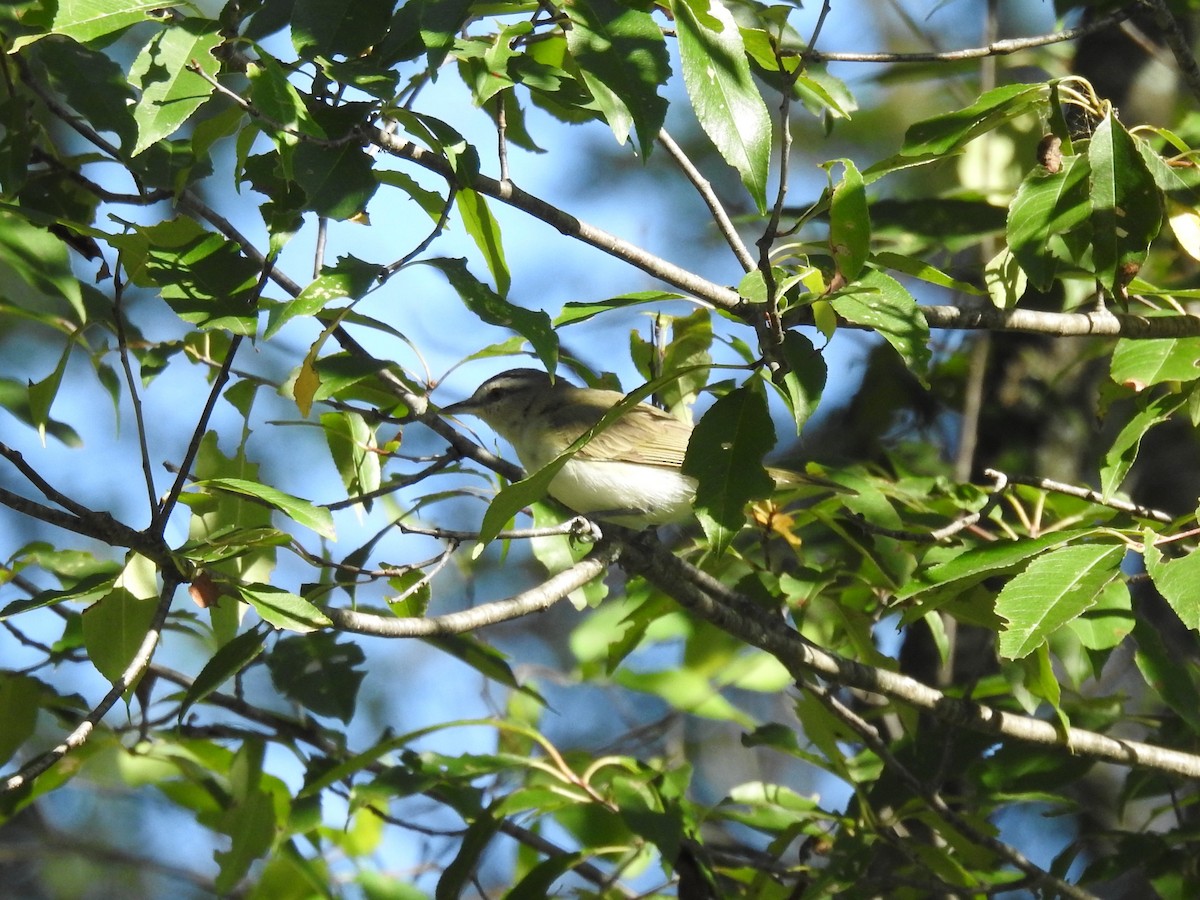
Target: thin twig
(47, 490)
(711, 200)
(135, 397)
(995, 48)
(418, 403)
(1071, 490)
(826, 6)
(189, 456)
(438, 227)
(319, 250)
(577, 526)
(100, 526)
(502, 136)
(767, 323)
(567, 224)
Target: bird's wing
(662, 441)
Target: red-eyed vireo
(628, 474)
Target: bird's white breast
(626, 494)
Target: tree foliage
(976, 612)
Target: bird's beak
(462, 407)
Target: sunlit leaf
(623, 58)
(1055, 588)
(171, 92)
(1126, 205)
(880, 302)
(723, 94)
(300, 511)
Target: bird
(629, 474)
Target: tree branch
(745, 620)
(536, 599)
(1177, 41)
(709, 196)
(1072, 490)
(77, 738)
(1032, 321)
(569, 225)
(995, 48)
(871, 737)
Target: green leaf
(300, 511)
(943, 134)
(42, 394)
(249, 819)
(574, 312)
(1005, 280)
(1108, 622)
(19, 701)
(1178, 580)
(170, 91)
(558, 552)
(918, 268)
(533, 325)
(114, 628)
(283, 609)
(727, 103)
(941, 223)
(1124, 450)
(484, 230)
(687, 354)
(487, 661)
(349, 278)
(623, 59)
(92, 84)
(278, 101)
(725, 457)
(849, 222)
(203, 277)
(337, 181)
(441, 20)
(1126, 206)
(1056, 588)
(14, 397)
(430, 201)
(973, 566)
(338, 27)
(890, 310)
(1173, 679)
(89, 20)
(228, 661)
(352, 445)
(804, 380)
(1047, 205)
(318, 672)
(33, 258)
(1140, 364)
(539, 880)
(458, 875)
